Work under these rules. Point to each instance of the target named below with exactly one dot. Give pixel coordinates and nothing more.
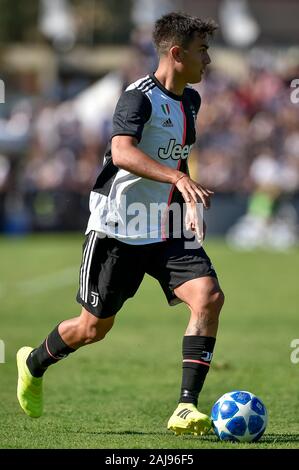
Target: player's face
(195, 59)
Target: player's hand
(194, 220)
(192, 191)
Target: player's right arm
(132, 112)
(126, 155)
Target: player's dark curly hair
(180, 28)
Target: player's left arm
(194, 217)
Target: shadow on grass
(267, 439)
(118, 433)
(272, 438)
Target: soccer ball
(239, 416)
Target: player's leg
(66, 338)
(104, 287)
(186, 275)
(205, 300)
(85, 329)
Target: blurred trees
(18, 20)
(98, 21)
(103, 21)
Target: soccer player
(145, 164)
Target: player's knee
(215, 301)
(218, 300)
(209, 300)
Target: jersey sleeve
(132, 112)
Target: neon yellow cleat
(30, 391)
(186, 419)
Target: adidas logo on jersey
(167, 123)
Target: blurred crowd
(248, 132)
(247, 135)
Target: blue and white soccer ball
(239, 416)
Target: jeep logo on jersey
(174, 151)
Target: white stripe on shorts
(82, 266)
(86, 262)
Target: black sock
(52, 350)
(197, 355)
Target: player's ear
(177, 53)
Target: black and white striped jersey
(122, 204)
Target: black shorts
(111, 271)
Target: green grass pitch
(120, 393)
